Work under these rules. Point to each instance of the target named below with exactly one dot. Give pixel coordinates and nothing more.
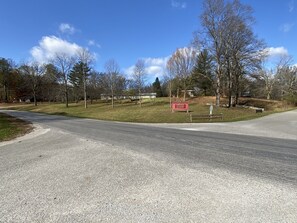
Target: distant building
(190, 93)
(132, 97)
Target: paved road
(279, 125)
(81, 170)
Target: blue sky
(127, 30)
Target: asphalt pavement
(279, 125)
(82, 170)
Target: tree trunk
(229, 99)
(185, 90)
(85, 93)
(139, 93)
(66, 96)
(268, 90)
(218, 95)
(6, 92)
(218, 87)
(230, 90)
(34, 98)
(112, 98)
(237, 98)
(170, 95)
(237, 87)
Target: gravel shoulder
(74, 179)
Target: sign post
(210, 109)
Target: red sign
(180, 106)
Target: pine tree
(157, 88)
(79, 71)
(202, 75)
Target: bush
(292, 99)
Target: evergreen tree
(79, 71)
(202, 75)
(5, 71)
(157, 88)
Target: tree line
(225, 59)
(70, 79)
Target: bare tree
(33, 73)
(272, 75)
(228, 36)
(112, 77)
(213, 23)
(286, 76)
(268, 76)
(51, 87)
(181, 64)
(168, 78)
(95, 88)
(288, 80)
(242, 48)
(139, 77)
(64, 63)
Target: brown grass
(155, 110)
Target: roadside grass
(11, 127)
(152, 111)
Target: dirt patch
(16, 127)
(270, 105)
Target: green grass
(11, 127)
(152, 111)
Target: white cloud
(156, 61)
(177, 4)
(187, 51)
(154, 67)
(67, 28)
(93, 43)
(49, 46)
(276, 51)
(287, 27)
(154, 71)
(274, 55)
(129, 71)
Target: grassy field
(11, 127)
(154, 111)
